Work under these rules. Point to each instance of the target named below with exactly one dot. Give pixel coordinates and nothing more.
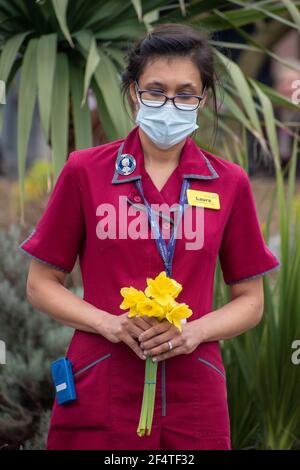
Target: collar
(193, 163)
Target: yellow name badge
(203, 199)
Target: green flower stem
(143, 416)
(153, 370)
(147, 410)
(149, 380)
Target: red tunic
(191, 410)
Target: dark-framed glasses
(156, 99)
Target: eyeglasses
(156, 99)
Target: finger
(164, 347)
(134, 345)
(155, 330)
(151, 321)
(142, 322)
(133, 329)
(174, 352)
(160, 339)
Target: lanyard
(166, 251)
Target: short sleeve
(243, 252)
(57, 237)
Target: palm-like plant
(263, 381)
(64, 48)
(62, 51)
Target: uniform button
(137, 198)
(166, 225)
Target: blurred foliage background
(64, 51)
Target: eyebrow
(181, 85)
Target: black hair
(172, 40)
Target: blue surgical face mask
(166, 125)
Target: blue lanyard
(165, 251)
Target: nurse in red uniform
(98, 210)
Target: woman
(98, 201)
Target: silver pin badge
(125, 164)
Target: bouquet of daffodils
(157, 300)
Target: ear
(133, 94)
(203, 101)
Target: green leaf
(234, 45)
(89, 50)
(239, 114)
(215, 15)
(294, 12)
(292, 177)
(116, 55)
(9, 52)
(276, 97)
(129, 29)
(107, 12)
(269, 122)
(27, 97)
(46, 62)
(2, 92)
(266, 10)
(81, 113)
(257, 46)
(60, 8)
(105, 119)
(109, 85)
(138, 8)
(60, 113)
(92, 63)
(244, 91)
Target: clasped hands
(149, 337)
(156, 338)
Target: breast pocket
(91, 409)
(202, 229)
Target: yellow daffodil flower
(150, 308)
(178, 313)
(158, 300)
(163, 288)
(133, 312)
(131, 297)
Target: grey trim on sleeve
(29, 236)
(35, 257)
(255, 275)
(42, 260)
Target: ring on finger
(170, 345)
